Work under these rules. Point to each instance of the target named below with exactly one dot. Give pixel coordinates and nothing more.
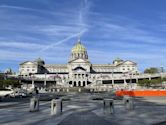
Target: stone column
(45, 82)
(76, 83)
(112, 81)
(71, 84)
(81, 83)
(125, 83)
(33, 84)
(149, 78)
(85, 83)
(136, 80)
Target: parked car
(5, 92)
(18, 94)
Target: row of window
(57, 70)
(128, 69)
(27, 70)
(28, 67)
(128, 66)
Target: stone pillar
(79, 90)
(128, 102)
(76, 83)
(149, 78)
(56, 106)
(81, 83)
(53, 90)
(58, 90)
(91, 90)
(108, 106)
(85, 83)
(33, 84)
(112, 83)
(136, 80)
(34, 104)
(45, 83)
(71, 84)
(125, 83)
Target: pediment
(28, 63)
(79, 61)
(128, 63)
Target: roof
(56, 65)
(118, 59)
(28, 61)
(125, 62)
(78, 48)
(103, 65)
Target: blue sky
(129, 29)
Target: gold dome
(78, 48)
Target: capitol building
(78, 71)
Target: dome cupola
(78, 48)
(117, 61)
(39, 61)
(78, 51)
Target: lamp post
(131, 75)
(131, 80)
(112, 77)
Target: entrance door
(75, 84)
(79, 83)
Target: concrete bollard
(53, 90)
(56, 106)
(128, 102)
(124, 98)
(79, 90)
(67, 90)
(108, 106)
(58, 90)
(34, 104)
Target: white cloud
(21, 45)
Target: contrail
(64, 40)
(81, 17)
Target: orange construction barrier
(141, 92)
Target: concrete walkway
(82, 110)
(84, 118)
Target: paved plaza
(81, 109)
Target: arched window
(79, 83)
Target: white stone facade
(78, 71)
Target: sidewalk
(84, 118)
